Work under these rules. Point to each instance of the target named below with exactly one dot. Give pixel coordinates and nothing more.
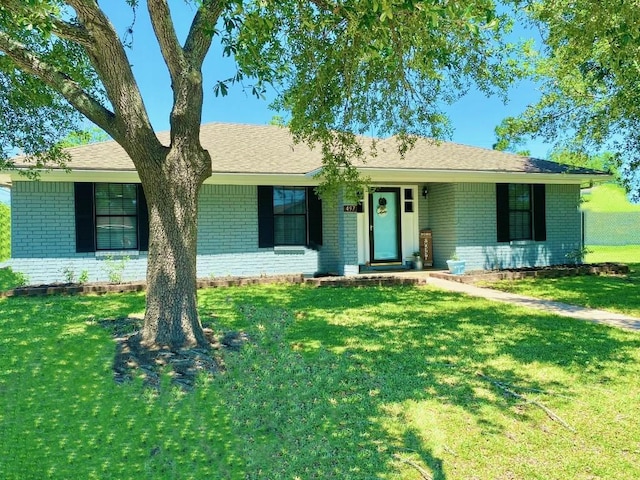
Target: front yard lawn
(349, 383)
(619, 293)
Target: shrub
(5, 232)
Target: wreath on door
(381, 210)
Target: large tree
(588, 70)
(341, 67)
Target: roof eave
(471, 176)
(131, 176)
(310, 178)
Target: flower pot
(456, 266)
(417, 263)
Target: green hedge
(5, 232)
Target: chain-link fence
(611, 228)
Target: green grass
(608, 198)
(629, 254)
(10, 279)
(5, 232)
(336, 383)
(614, 293)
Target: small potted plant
(417, 260)
(456, 266)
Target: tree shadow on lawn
(59, 400)
(342, 362)
(335, 383)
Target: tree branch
(202, 31)
(167, 38)
(110, 60)
(509, 390)
(67, 87)
(423, 473)
(330, 7)
(69, 31)
(185, 64)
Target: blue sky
(474, 117)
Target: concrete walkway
(597, 316)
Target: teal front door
(384, 225)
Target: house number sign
(350, 208)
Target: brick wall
(461, 216)
(329, 257)
(227, 219)
(43, 237)
(476, 235)
(42, 217)
(442, 221)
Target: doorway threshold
(384, 267)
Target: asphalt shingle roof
(267, 149)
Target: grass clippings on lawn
(348, 383)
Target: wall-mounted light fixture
(425, 191)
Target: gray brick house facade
(259, 215)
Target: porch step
(394, 267)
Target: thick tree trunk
(171, 317)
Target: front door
(384, 225)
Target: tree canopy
(381, 67)
(589, 74)
(340, 68)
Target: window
(116, 216)
(289, 216)
(520, 227)
(111, 216)
(520, 212)
(408, 200)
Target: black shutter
(314, 218)
(539, 213)
(85, 220)
(502, 211)
(265, 217)
(143, 221)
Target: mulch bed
(536, 272)
(332, 281)
(183, 367)
(364, 281)
(103, 287)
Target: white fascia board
(130, 176)
(464, 176)
(377, 175)
(107, 176)
(285, 179)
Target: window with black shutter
(520, 212)
(289, 216)
(111, 216)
